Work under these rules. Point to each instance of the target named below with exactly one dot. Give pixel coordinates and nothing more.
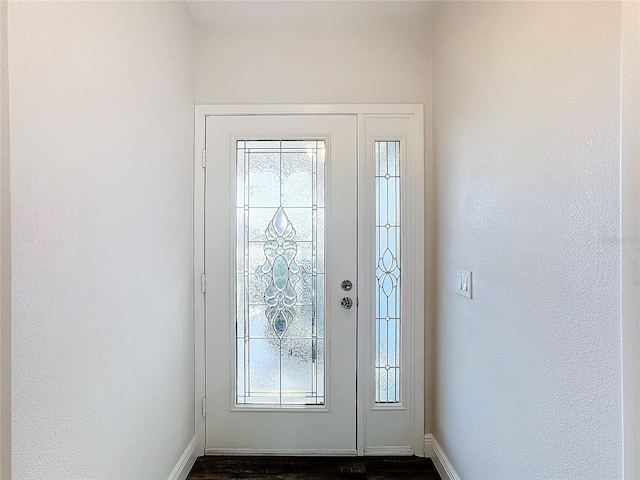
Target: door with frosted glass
(280, 254)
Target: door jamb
(416, 375)
(629, 235)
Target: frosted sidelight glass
(387, 322)
(280, 272)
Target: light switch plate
(463, 283)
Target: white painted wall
(101, 165)
(332, 55)
(5, 253)
(320, 52)
(526, 138)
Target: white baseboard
(389, 451)
(433, 450)
(292, 452)
(428, 445)
(187, 459)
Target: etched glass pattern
(387, 358)
(280, 272)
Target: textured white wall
(5, 253)
(526, 138)
(284, 56)
(101, 159)
(321, 52)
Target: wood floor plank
(313, 468)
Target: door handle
(346, 303)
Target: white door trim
(629, 235)
(414, 274)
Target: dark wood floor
(313, 468)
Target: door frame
(629, 235)
(414, 263)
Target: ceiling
(308, 12)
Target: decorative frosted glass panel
(280, 272)
(387, 358)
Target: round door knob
(346, 303)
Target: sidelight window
(387, 226)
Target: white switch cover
(463, 283)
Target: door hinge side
(203, 282)
(204, 407)
(204, 158)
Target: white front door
(280, 240)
